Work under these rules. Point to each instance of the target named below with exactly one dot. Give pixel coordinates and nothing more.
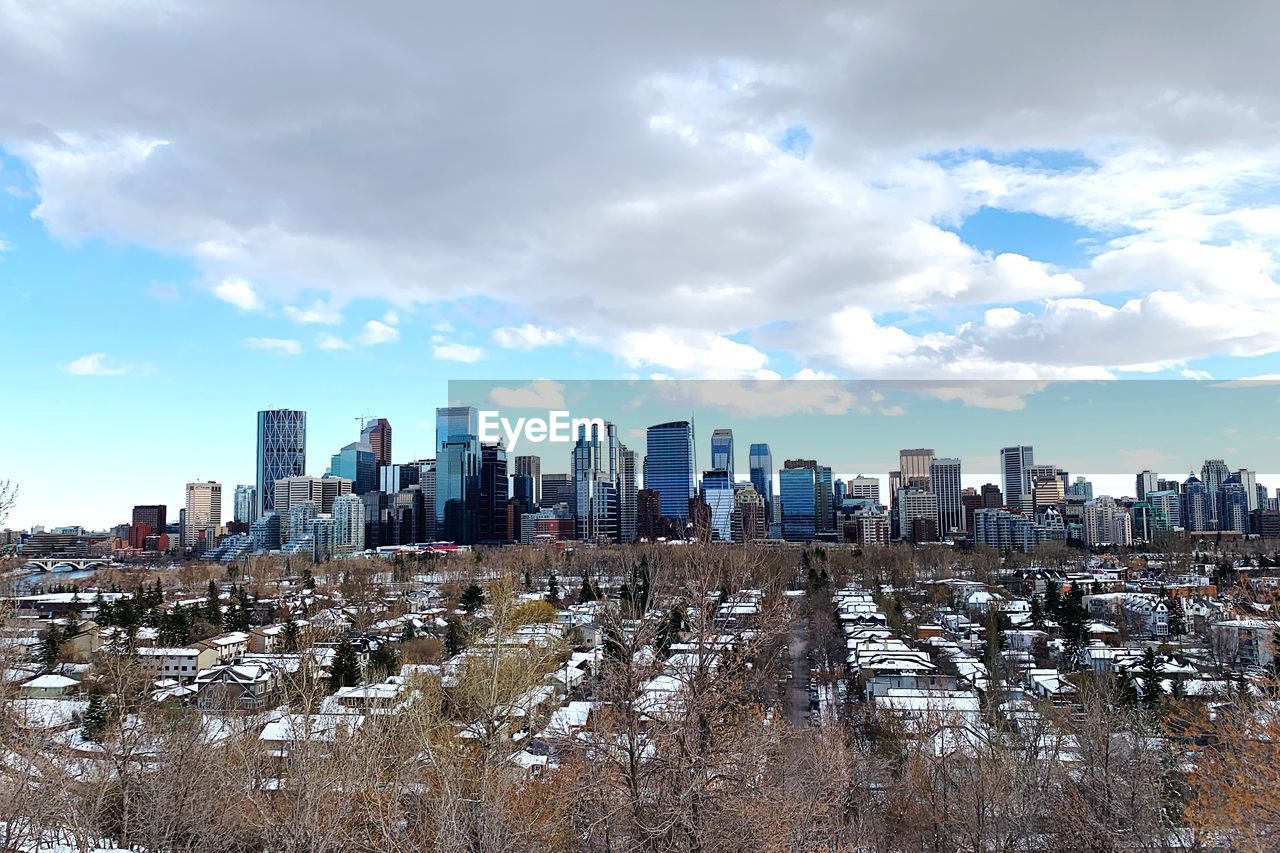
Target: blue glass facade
(457, 495)
(797, 492)
(668, 466)
(761, 462)
(282, 452)
(722, 451)
(358, 463)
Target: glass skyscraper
(761, 462)
(717, 493)
(282, 452)
(797, 492)
(457, 473)
(358, 463)
(722, 451)
(668, 466)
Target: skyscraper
(282, 451)
(348, 524)
(204, 513)
(1146, 481)
(914, 465)
(628, 487)
(358, 463)
(761, 471)
(797, 495)
(1014, 462)
(377, 434)
(944, 479)
(717, 494)
(494, 493)
(531, 466)
(556, 489)
(595, 464)
(1212, 473)
(863, 488)
(823, 507)
(1196, 517)
(457, 473)
(722, 451)
(148, 520)
(668, 466)
(245, 508)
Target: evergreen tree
(308, 579)
(669, 632)
(1177, 625)
(384, 660)
(51, 647)
(93, 725)
(1126, 693)
(406, 633)
(472, 598)
(290, 636)
(212, 609)
(553, 586)
(453, 638)
(586, 593)
(528, 580)
(1037, 614)
(345, 671)
(1149, 672)
(1052, 596)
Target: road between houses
(797, 693)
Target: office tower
(392, 478)
(698, 526)
(747, 523)
(148, 520)
(595, 465)
(428, 532)
(457, 473)
(1249, 479)
(358, 463)
(628, 486)
(797, 493)
(1014, 462)
(522, 491)
(1212, 473)
(648, 515)
(668, 467)
(1031, 475)
(823, 506)
(761, 472)
(971, 501)
(840, 492)
(717, 493)
(1196, 517)
(944, 478)
(556, 489)
(377, 435)
(265, 532)
(917, 504)
(863, 488)
(409, 516)
(722, 451)
(204, 514)
(1047, 491)
(1081, 488)
(1146, 481)
(991, 496)
(914, 465)
(1233, 505)
(1106, 523)
(245, 504)
(494, 494)
(1166, 509)
(322, 491)
(348, 524)
(531, 466)
(282, 451)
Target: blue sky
(186, 241)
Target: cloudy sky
(214, 207)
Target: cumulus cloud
(700, 192)
(95, 364)
(539, 394)
(238, 292)
(457, 352)
(282, 346)
(331, 342)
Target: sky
(209, 208)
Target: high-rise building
(1081, 488)
(717, 493)
(531, 466)
(1106, 522)
(761, 471)
(377, 435)
(204, 514)
(1249, 480)
(265, 533)
(245, 506)
(797, 494)
(457, 473)
(628, 486)
(972, 502)
(556, 489)
(944, 480)
(1196, 517)
(1032, 474)
(322, 491)
(1166, 510)
(648, 515)
(748, 521)
(823, 503)
(148, 521)
(595, 469)
(494, 494)
(1212, 473)
(991, 496)
(348, 524)
(863, 488)
(392, 478)
(668, 466)
(722, 451)
(1014, 462)
(914, 465)
(358, 463)
(1233, 505)
(1047, 491)
(282, 451)
(916, 503)
(1146, 481)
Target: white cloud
(457, 352)
(319, 312)
(283, 346)
(377, 332)
(331, 342)
(539, 394)
(95, 364)
(527, 336)
(238, 292)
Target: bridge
(66, 564)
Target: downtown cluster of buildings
(474, 492)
